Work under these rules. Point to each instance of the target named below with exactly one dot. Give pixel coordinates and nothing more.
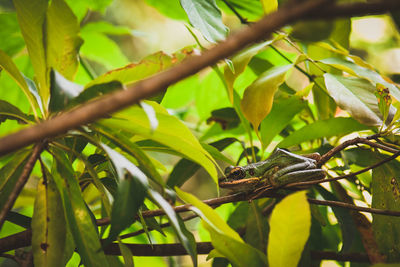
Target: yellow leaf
(269, 6)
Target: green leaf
(81, 7)
(94, 91)
(210, 215)
(10, 34)
(249, 9)
(62, 91)
(130, 195)
(170, 8)
(324, 128)
(8, 65)
(106, 28)
(386, 195)
(258, 97)
(170, 129)
(269, 6)
(10, 173)
(48, 225)
(290, 224)
(240, 62)
(79, 219)
(185, 169)
(11, 112)
(185, 236)
(63, 41)
(356, 96)
(137, 71)
(31, 17)
(281, 114)
(206, 17)
(238, 253)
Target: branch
(19, 185)
(104, 106)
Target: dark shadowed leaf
(206, 17)
(79, 219)
(324, 128)
(312, 31)
(95, 91)
(281, 114)
(62, 91)
(11, 112)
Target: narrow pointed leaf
(31, 17)
(258, 97)
(289, 230)
(205, 16)
(11, 112)
(79, 219)
(48, 225)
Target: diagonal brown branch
(108, 104)
(22, 179)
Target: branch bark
(92, 111)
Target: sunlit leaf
(48, 225)
(170, 8)
(31, 17)
(206, 17)
(8, 65)
(151, 115)
(106, 28)
(81, 7)
(323, 128)
(281, 114)
(79, 219)
(356, 96)
(269, 6)
(251, 10)
(136, 71)
(63, 41)
(289, 230)
(170, 129)
(10, 34)
(258, 97)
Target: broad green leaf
(258, 97)
(62, 91)
(356, 96)
(8, 65)
(206, 17)
(130, 195)
(48, 225)
(290, 224)
(280, 116)
(10, 34)
(269, 6)
(63, 41)
(170, 129)
(240, 62)
(185, 169)
(323, 128)
(106, 28)
(137, 71)
(11, 112)
(10, 173)
(210, 215)
(81, 7)
(170, 8)
(238, 253)
(386, 195)
(248, 9)
(363, 71)
(94, 91)
(76, 211)
(31, 17)
(185, 236)
(257, 228)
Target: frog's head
(237, 173)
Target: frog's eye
(228, 170)
(237, 173)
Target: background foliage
(308, 88)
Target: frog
(280, 168)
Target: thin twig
(19, 185)
(357, 140)
(332, 203)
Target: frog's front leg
(299, 172)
